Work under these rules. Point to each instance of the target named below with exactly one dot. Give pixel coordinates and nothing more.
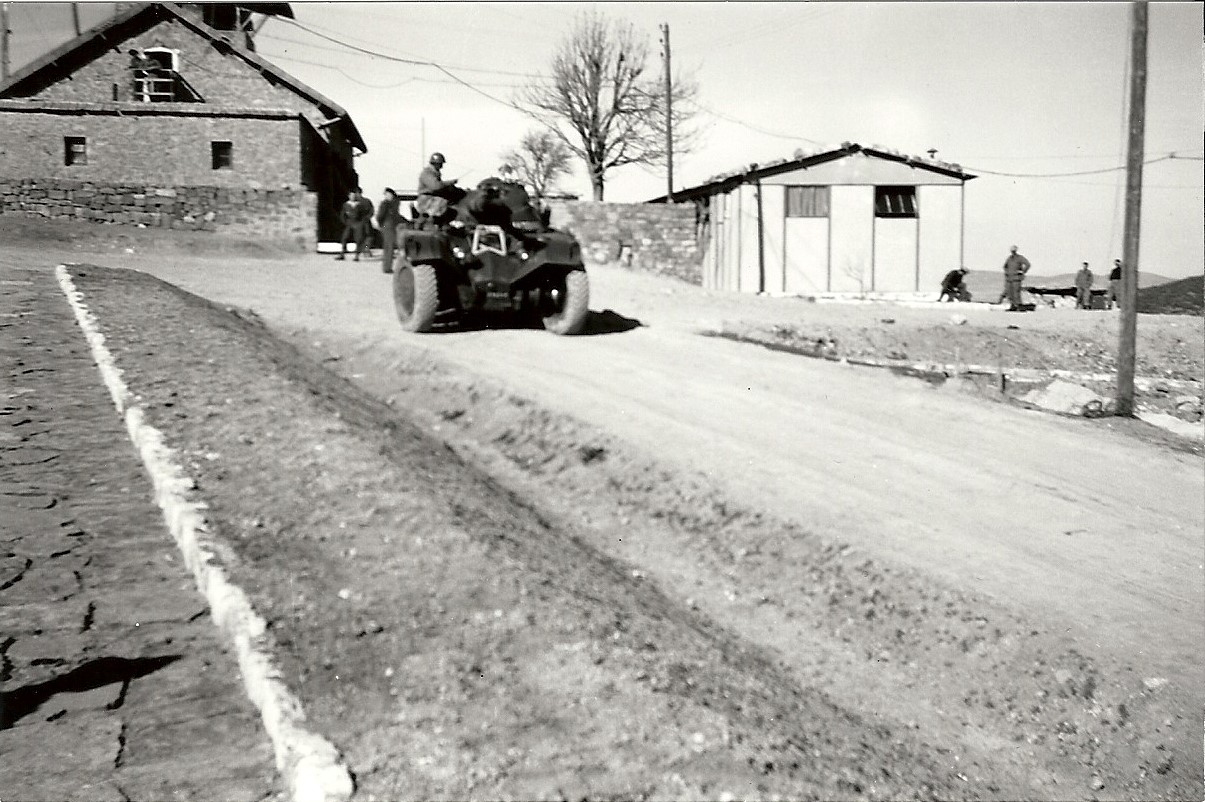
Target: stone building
(164, 115)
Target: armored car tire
(415, 295)
(573, 305)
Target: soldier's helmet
(437, 158)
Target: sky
(1029, 89)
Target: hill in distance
(1185, 296)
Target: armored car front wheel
(415, 296)
(572, 302)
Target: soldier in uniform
(488, 207)
(1114, 296)
(953, 287)
(435, 194)
(1083, 288)
(1015, 268)
(388, 218)
(357, 223)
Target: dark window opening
(807, 201)
(223, 155)
(895, 201)
(75, 150)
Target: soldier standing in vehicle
(434, 193)
(1015, 268)
(388, 218)
(1083, 288)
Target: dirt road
(1074, 522)
(1000, 556)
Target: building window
(75, 150)
(223, 155)
(807, 201)
(895, 201)
(155, 75)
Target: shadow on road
(609, 322)
(605, 322)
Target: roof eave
(95, 32)
(756, 173)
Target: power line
(751, 127)
(407, 60)
(348, 75)
(414, 62)
(356, 80)
(1169, 157)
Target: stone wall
(653, 237)
(277, 214)
(220, 78)
(149, 143)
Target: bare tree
(538, 162)
(604, 104)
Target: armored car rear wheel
(415, 296)
(573, 305)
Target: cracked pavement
(113, 682)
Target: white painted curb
(310, 765)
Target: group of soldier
(434, 195)
(433, 207)
(1083, 287)
(1016, 266)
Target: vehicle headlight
(524, 255)
(457, 251)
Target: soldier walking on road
(357, 223)
(1114, 294)
(1083, 288)
(388, 219)
(1015, 268)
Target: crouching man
(953, 286)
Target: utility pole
(75, 17)
(669, 118)
(1133, 211)
(4, 32)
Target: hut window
(223, 155)
(895, 201)
(75, 150)
(807, 201)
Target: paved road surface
(113, 685)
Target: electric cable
(751, 127)
(1169, 157)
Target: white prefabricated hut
(853, 219)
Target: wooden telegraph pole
(1133, 212)
(75, 17)
(669, 119)
(4, 32)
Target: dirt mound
(1183, 297)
